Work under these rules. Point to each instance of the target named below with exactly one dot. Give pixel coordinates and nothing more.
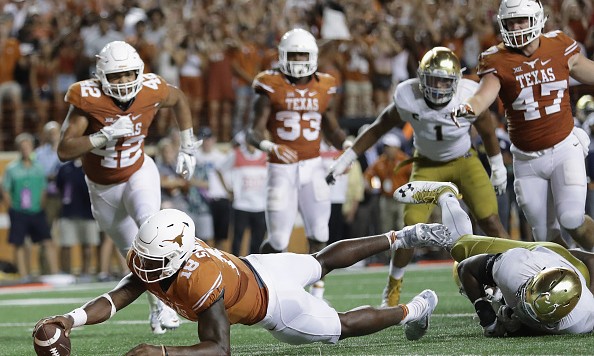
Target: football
(49, 340)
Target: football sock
(317, 289)
(413, 310)
(453, 216)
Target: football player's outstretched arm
(101, 308)
(178, 101)
(388, 119)
(73, 141)
(214, 332)
(582, 69)
(485, 95)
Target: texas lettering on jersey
(118, 159)
(297, 110)
(208, 275)
(534, 90)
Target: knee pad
(571, 220)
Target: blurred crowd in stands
(212, 50)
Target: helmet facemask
(531, 10)
(298, 41)
(439, 73)
(163, 243)
(550, 295)
(118, 57)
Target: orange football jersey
(118, 159)
(206, 276)
(534, 90)
(297, 110)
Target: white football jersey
(435, 134)
(514, 267)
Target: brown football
(49, 340)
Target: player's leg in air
(419, 206)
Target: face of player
(518, 23)
(439, 82)
(298, 56)
(121, 77)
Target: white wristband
(113, 308)
(98, 139)
(186, 137)
(266, 146)
(79, 315)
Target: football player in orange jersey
(530, 72)
(106, 124)
(218, 289)
(294, 106)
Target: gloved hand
(341, 165)
(186, 159)
(498, 174)
(284, 153)
(120, 128)
(496, 329)
(507, 318)
(463, 110)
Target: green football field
(454, 329)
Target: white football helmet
(298, 40)
(115, 57)
(439, 73)
(532, 9)
(163, 243)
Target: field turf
(454, 329)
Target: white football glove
(341, 165)
(463, 110)
(120, 128)
(498, 174)
(186, 159)
(284, 153)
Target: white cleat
(424, 192)
(162, 319)
(422, 235)
(417, 328)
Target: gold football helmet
(584, 107)
(439, 72)
(550, 295)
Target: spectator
(76, 222)
(10, 90)
(246, 64)
(389, 175)
(211, 159)
(24, 190)
(248, 167)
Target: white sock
(317, 289)
(414, 309)
(154, 302)
(396, 272)
(453, 216)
